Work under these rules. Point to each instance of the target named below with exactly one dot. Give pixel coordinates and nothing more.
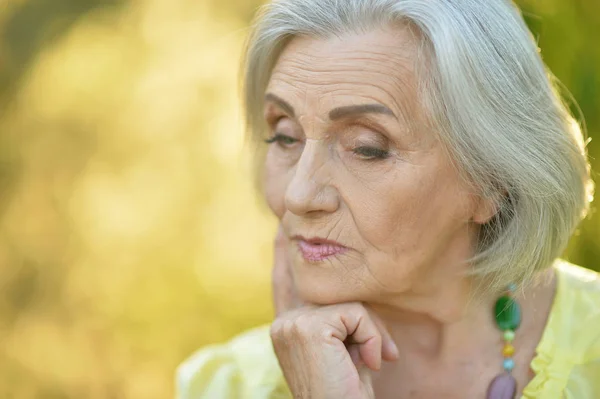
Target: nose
(310, 190)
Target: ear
(484, 209)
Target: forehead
(376, 66)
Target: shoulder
(245, 366)
(578, 278)
(576, 311)
(568, 355)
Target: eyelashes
(281, 139)
(371, 153)
(363, 152)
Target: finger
(280, 237)
(354, 351)
(389, 349)
(364, 332)
(281, 277)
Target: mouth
(317, 249)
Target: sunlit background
(130, 234)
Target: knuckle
(276, 327)
(299, 327)
(280, 332)
(354, 307)
(303, 325)
(276, 332)
(356, 311)
(306, 325)
(326, 332)
(359, 308)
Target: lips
(318, 249)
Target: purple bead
(503, 386)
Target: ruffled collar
(551, 365)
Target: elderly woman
(427, 177)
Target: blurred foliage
(130, 234)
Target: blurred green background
(130, 234)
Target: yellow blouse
(567, 364)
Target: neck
(437, 326)
(438, 316)
(449, 323)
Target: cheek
(413, 219)
(387, 223)
(396, 216)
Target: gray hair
(494, 106)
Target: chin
(325, 291)
(328, 282)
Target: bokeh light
(130, 231)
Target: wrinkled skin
(376, 180)
(407, 218)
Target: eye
(281, 139)
(371, 153)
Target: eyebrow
(336, 113)
(353, 110)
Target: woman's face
(353, 162)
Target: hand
(285, 296)
(328, 352)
